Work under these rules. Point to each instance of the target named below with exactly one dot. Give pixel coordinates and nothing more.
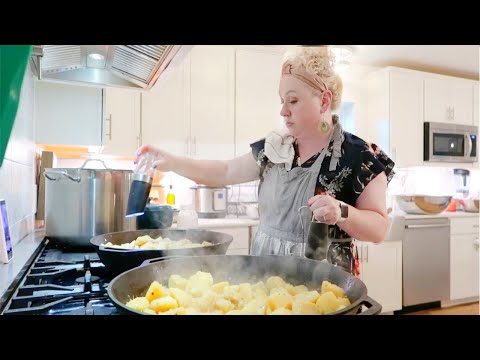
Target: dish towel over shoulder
(279, 148)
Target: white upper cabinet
(395, 109)
(448, 100)
(476, 115)
(67, 114)
(257, 101)
(164, 113)
(212, 101)
(121, 124)
(190, 112)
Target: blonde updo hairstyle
(319, 60)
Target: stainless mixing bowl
(423, 205)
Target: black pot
(155, 217)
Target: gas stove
(62, 282)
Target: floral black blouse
(359, 164)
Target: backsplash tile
(17, 174)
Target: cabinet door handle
(366, 257)
(187, 150)
(453, 113)
(194, 146)
(476, 243)
(109, 119)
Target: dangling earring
(324, 126)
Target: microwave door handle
(468, 150)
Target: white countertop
(445, 214)
(225, 222)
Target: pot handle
(86, 161)
(374, 307)
(61, 173)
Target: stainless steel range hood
(128, 66)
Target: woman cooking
(312, 167)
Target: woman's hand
(325, 208)
(164, 160)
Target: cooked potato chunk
(328, 286)
(199, 295)
(163, 304)
(155, 291)
(177, 281)
(139, 303)
(327, 303)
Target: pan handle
(151, 261)
(374, 307)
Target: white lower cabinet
(464, 258)
(240, 243)
(381, 271)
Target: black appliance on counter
(60, 281)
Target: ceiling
(454, 60)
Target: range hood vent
(130, 66)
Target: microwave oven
(444, 142)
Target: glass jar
(187, 218)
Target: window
(347, 116)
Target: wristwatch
(343, 211)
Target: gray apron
(281, 195)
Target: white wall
(17, 174)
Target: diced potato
(260, 286)
(299, 290)
(149, 312)
(281, 311)
(142, 240)
(304, 308)
(279, 300)
(279, 290)
(139, 303)
(234, 312)
(274, 282)
(206, 243)
(344, 301)
(337, 290)
(163, 304)
(309, 296)
(219, 287)
(155, 291)
(232, 294)
(177, 281)
(327, 303)
(206, 302)
(245, 291)
(183, 298)
(199, 283)
(251, 308)
(224, 305)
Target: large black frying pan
(120, 260)
(242, 268)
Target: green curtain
(13, 63)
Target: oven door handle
(426, 226)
